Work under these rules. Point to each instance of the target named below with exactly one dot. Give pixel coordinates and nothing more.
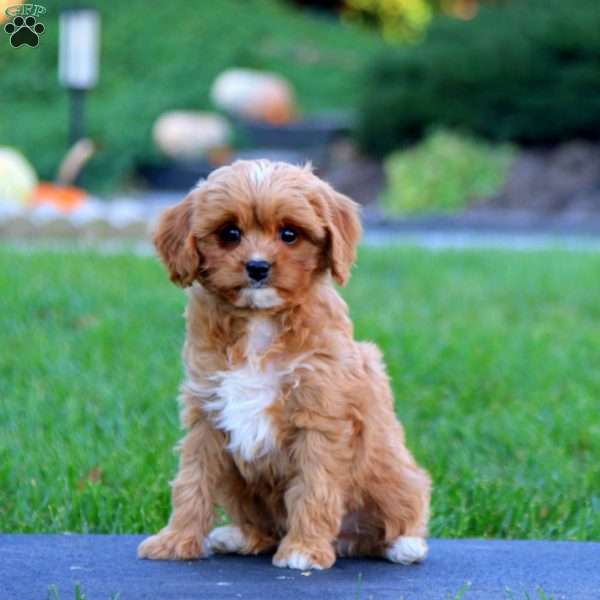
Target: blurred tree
(528, 72)
(398, 20)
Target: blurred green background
(493, 355)
(497, 70)
(165, 56)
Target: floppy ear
(175, 243)
(344, 231)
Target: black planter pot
(174, 175)
(316, 131)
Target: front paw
(172, 545)
(297, 556)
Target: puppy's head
(259, 234)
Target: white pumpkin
(17, 177)
(257, 95)
(190, 134)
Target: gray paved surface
(105, 565)
(372, 237)
(449, 240)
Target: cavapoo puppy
(290, 422)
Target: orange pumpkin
(64, 197)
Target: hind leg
(395, 489)
(406, 550)
(251, 530)
(236, 539)
(401, 494)
(361, 533)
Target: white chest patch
(240, 397)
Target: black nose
(258, 269)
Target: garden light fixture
(79, 43)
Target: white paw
(226, 540)
(297, 560)
(407, 550)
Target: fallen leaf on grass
(93, 476)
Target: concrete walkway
(372, 237)
(105, 566)
(128, 221)
(474, 240)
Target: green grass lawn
(494, 359)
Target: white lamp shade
(79, 43)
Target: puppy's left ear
(344, 230)
(176, 244)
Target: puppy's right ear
(176, 244)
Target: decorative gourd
(190, 134)
(65, 198)
(256, 95)
(17, 177)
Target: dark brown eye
(230, 234)
(288, 235)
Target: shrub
(527, 71)
(443, 173)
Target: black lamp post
(79, 43)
